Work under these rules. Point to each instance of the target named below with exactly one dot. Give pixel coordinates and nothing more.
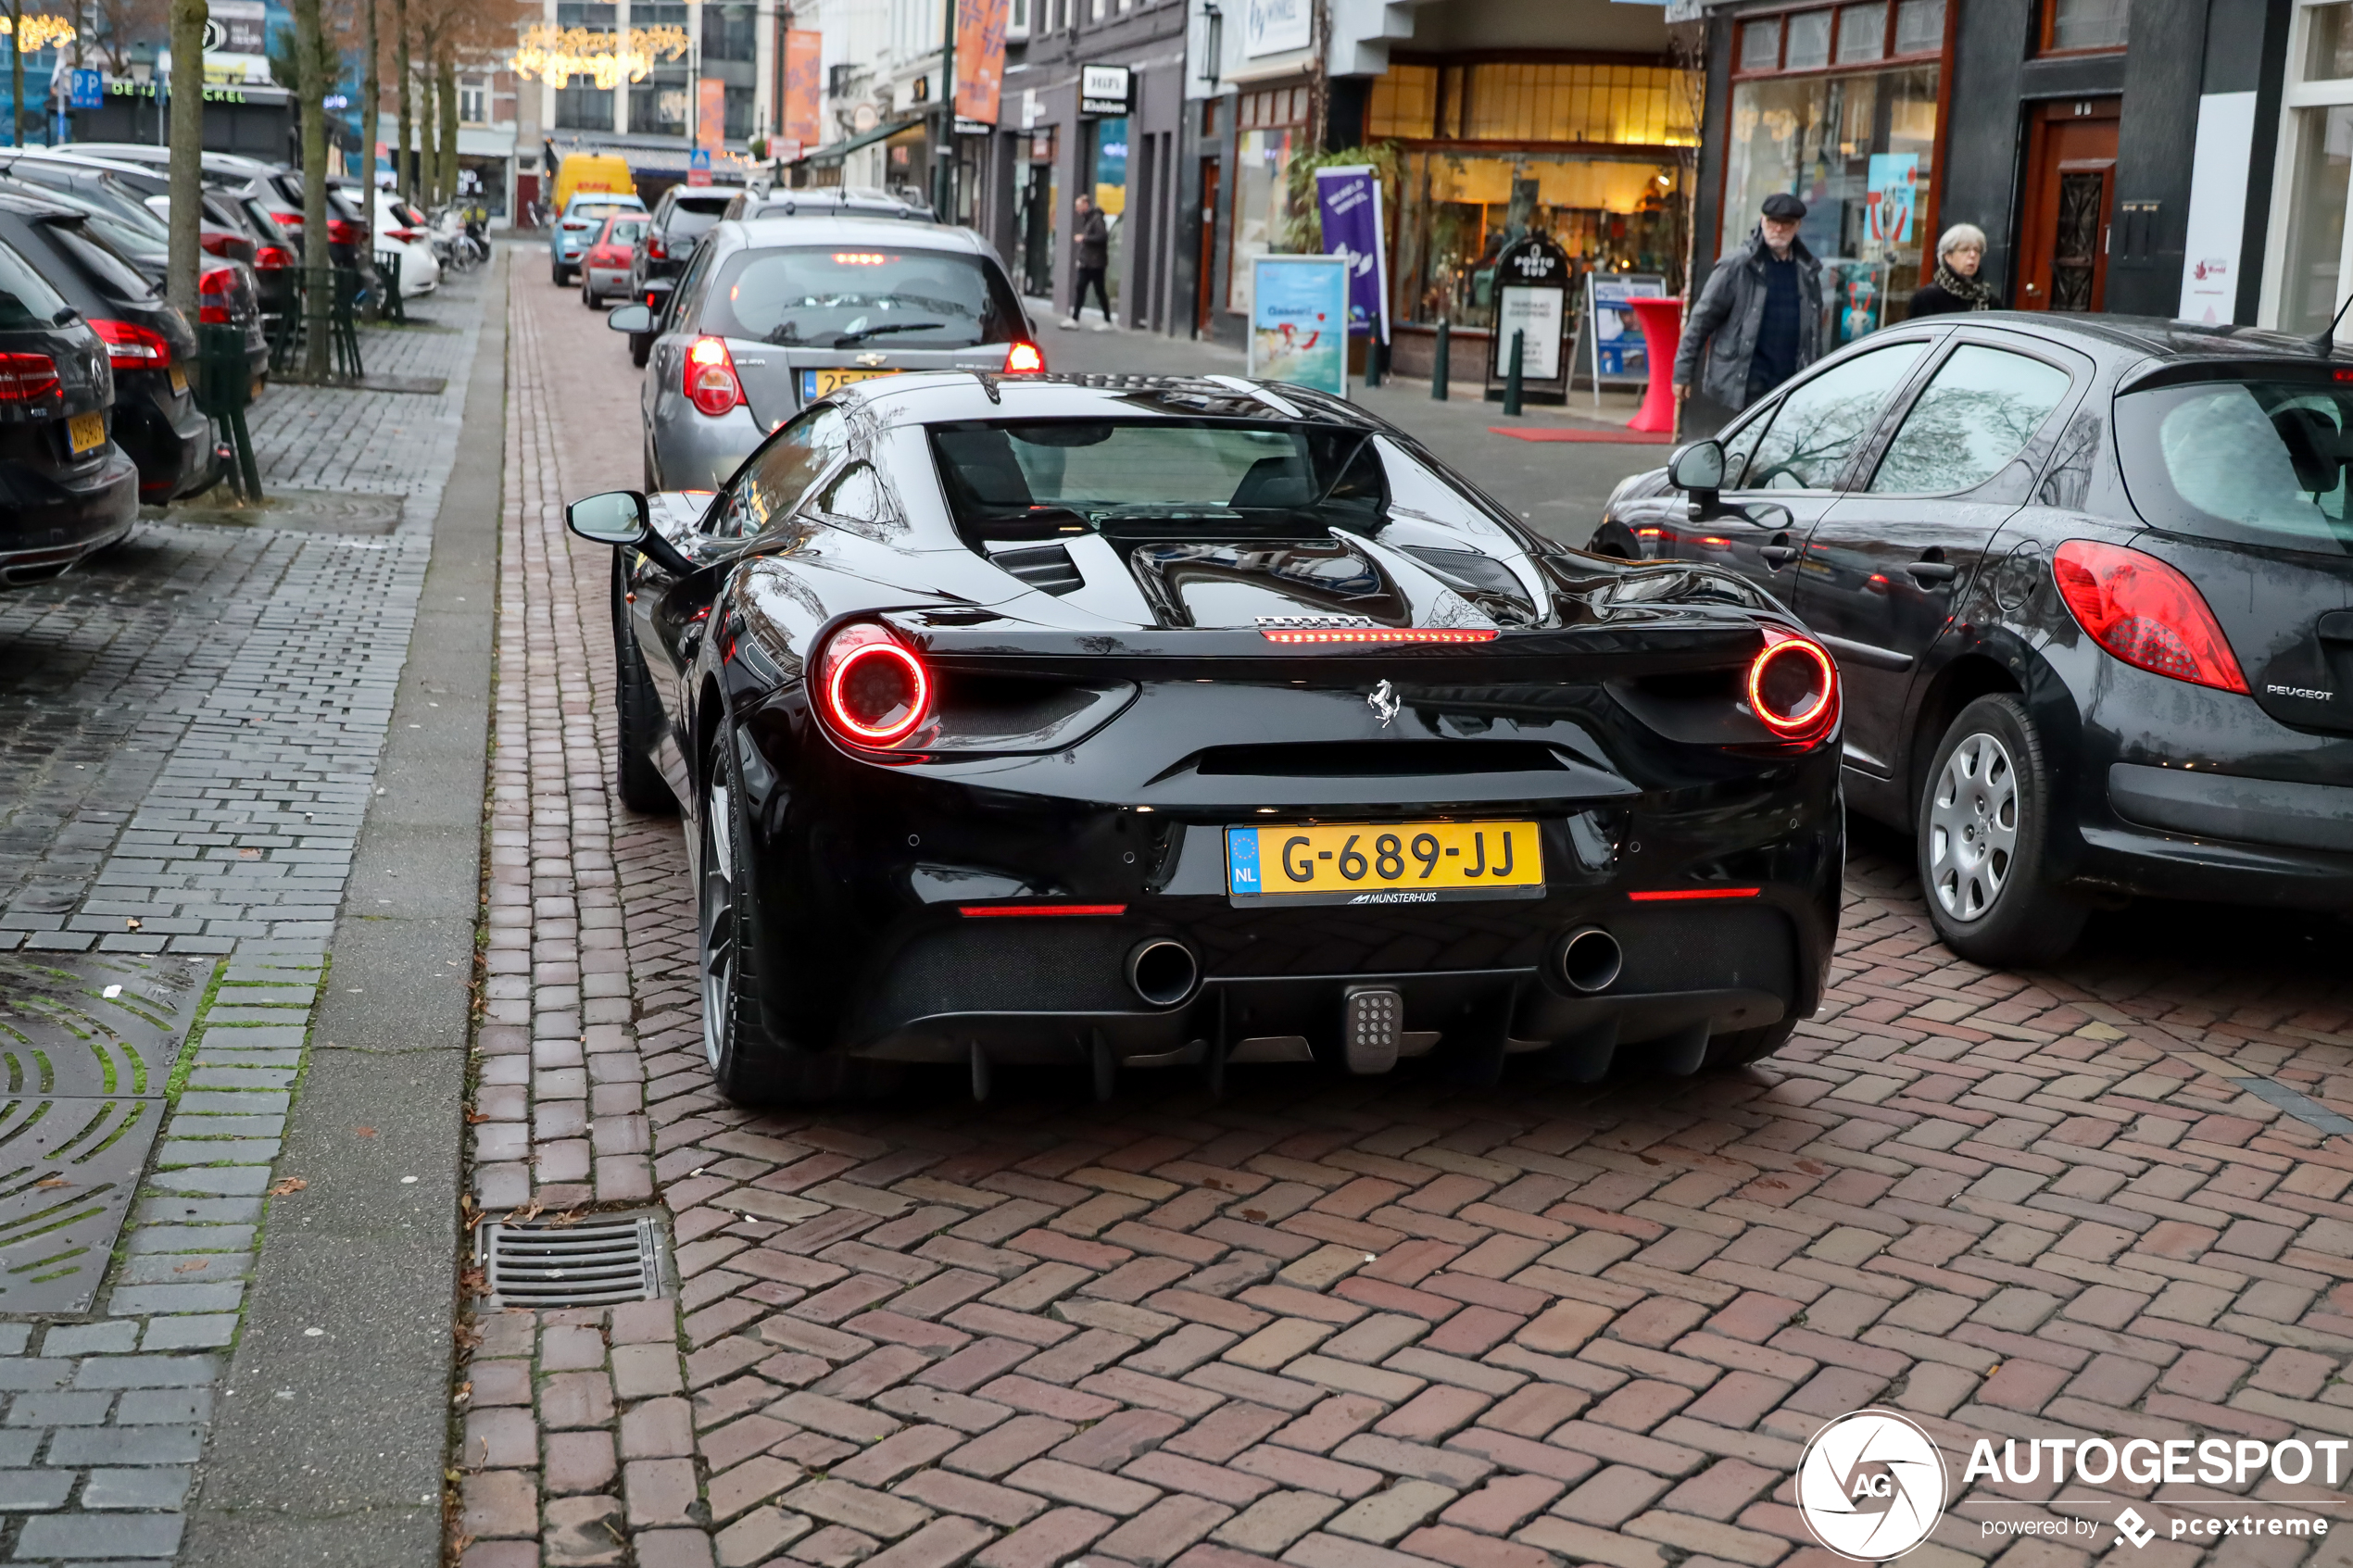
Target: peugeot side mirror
(619, 518)
(1698, 469)
(629, 318)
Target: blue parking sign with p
(86, 90)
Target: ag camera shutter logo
(1872, 1486)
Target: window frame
(1887, 57)
(2300, 93)
(2046, 25)
(1868, 445)
(2077, 370)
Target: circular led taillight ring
(842, 661)
(1793, 726)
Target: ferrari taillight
(869, 688)
(2145, 613)
(1025, 359)
(711, 384)
(1792, 687)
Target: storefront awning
(836, 152)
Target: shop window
(1861, 150)
(2072, 25)
(1270, 131)
(1862, 33)
(2316, 231)
(1642, 106)
(1403, 103)
(1919, 27)
(1761, 44)
(1809, 41)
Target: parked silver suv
(772, 314)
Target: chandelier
(556, 55)
(39, 33)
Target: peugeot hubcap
(1973, 828)
(715, 906)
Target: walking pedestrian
(1956, 285)
(1093, 242)
(1759, 320)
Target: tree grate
(595, 1261)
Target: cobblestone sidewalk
(1365, 1324)
(188, 739)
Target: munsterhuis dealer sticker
(1872, 1484)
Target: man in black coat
(1093, 243)
(1759, 320)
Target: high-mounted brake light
(871, 688)
(2145, 613)
(712, 382)
(134, 348)
(27, 378)
(1792, 687)
(859, 258)
(1023, 359)
(1391, 635)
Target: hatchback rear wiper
(844, 340)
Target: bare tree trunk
(16, 74)
(370, 120)
(428, 158)
(188, 19)
(318, 262)
(404, 163)
(447, 88)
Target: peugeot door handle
(1777, 555)
(1926, 572)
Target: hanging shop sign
(1103, 89)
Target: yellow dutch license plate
(825, 383)
(1385, 862)
(86, 433)
(178, 381)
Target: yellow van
(592, 171)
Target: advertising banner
(1349, 198)
(804, 85)
(710, 114)
(1299, 321)
(1270, 26)
(1891, 197)
(980, 58)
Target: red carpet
(1559, 433)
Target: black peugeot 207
(150, 346)
(1130, 721)
(2089, 583)
(65, 489)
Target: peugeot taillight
(27, 378)
(2145, 613)
(871, 688)
(1792, 687)
(711, 384)
(273, 259)
(1025, 359)
(134, 348)
(213, 291)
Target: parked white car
(402, 228)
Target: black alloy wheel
(635, 779)
(1982, 833)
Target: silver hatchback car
(773, 313)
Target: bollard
(1372, 363)
(1511, 373)
(1441, 366)
(225, 386)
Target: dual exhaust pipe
(1163, 973)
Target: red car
(604, 269)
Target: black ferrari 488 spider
(1117, 721)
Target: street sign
(86, 90)
(698, 166)
(1102, 90)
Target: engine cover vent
(595, 1261)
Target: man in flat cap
(1759, 320)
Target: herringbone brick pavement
(1365, 1324)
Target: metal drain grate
(593, 1261)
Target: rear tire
(562, 273)
(587, 296)
(1982, 835)
(635, 779)
(639, 347)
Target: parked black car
(1141, 721)
(151, 349)
(683, 215)
(2089, 582)
(66, 488)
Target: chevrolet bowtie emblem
(869, 360)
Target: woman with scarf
(1956, 286)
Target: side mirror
(629, 318)
(619, 518)
(1698, 467)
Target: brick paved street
(1365, 1325)
(188, 734)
